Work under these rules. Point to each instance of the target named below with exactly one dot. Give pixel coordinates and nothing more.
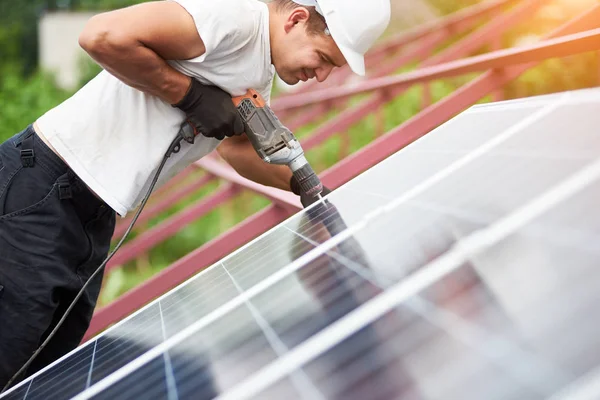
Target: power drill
(275, 143)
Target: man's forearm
(239, 153)
(138, 66)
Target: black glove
(210, 111)
(304, 198)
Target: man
(63, 178)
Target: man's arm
(133, 44)
(239, 153)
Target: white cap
(354, 25)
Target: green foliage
(25, 99)
(18, 34)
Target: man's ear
(298, 16)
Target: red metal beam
(168, 228)
(280, 197)
(436, 114)
(186, 267)
(163, 204)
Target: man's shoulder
(245, 15)
(239, 12)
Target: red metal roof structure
(339, 104)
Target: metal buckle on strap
(27, 158)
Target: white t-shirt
(114, 136)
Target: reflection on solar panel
(463, 267)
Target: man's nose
(323, 72)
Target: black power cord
(174, 147)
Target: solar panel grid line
(27, 392)
(120, 346)
(329, 296)
(171, 383)
(104, 354)
(323, 287)
(361, 270)
(38, 377)
(311, 277)
(262, 257)
(259, 250)
(303, 384)
(89, 378)
(215, 288)
(29, 380)
(33, 390)
(375, 308)
(461, 162)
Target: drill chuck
(308, 181)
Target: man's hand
(304, 198)
(210, 111)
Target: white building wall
(59, 48)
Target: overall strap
(27, 154)
(64, 187)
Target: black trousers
(53, 234)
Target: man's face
(299, 55)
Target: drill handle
(264, 130)
(251, 95)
